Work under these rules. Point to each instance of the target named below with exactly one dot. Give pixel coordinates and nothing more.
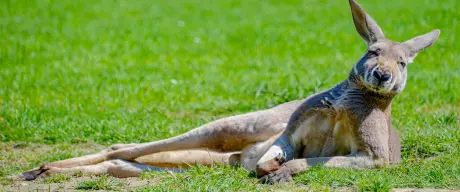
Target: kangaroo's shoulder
(319, 101)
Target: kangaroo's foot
(32, 174)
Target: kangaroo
(347, 126)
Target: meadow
(83, 74)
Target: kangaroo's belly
(325, 135)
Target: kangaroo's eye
(373, 53)
(402, 63)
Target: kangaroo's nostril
(381, 76)
(385, 77)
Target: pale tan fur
(346, 126)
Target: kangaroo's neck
(355, 96)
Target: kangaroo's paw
(267, 167)
(280, 159)
(281, 175)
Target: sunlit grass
(136, 71)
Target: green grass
(134, 71)
(100, 183)
(201, 178)
(58, 178)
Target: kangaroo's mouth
(378, 86)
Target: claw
(265, 180)
(265, 168)
(34, 173)
(31, 175)
(282, 175)
(280, 159)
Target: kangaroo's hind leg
(224, 135)
(230, 134)
(89, 159)
(117, 168)
(165, 161)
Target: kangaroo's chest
(325, 134)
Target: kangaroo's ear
(419, 43)
(365, 25)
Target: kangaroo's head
(383, 68)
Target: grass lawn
(79, 73)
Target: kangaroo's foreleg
(290, 168)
